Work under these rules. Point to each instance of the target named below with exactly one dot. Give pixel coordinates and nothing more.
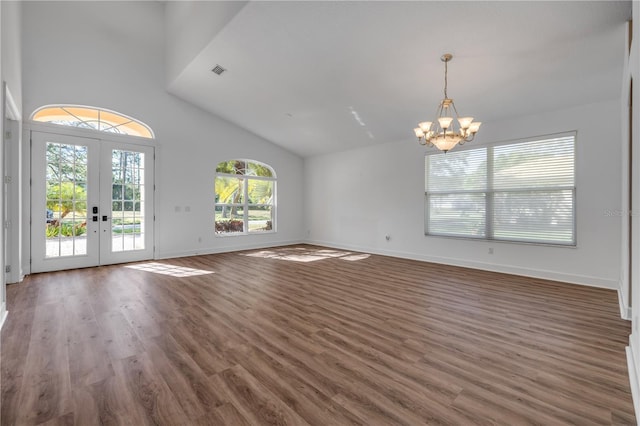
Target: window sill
(489, 240)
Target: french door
(91, 202)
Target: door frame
(34, 126)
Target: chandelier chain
(445, 79)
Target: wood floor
(306, 335)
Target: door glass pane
(127, 200)
(65, 217)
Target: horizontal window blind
(534, 216)
(523, 191)
(458, 214)
(457, 171)
(537, 164)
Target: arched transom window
(245, 198)
(92, 118)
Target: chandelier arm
(455, 110)
(436, 124)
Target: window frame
(151, 135)
(245, 205)
(490, 193)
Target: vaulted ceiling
(320, 77)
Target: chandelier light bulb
(445, 122)
(474, 127)
(465, 122)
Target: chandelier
(446, 134)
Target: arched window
(245, 198)
(92, 118)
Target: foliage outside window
(92, 118)
(66, 190)
(522, 192)
(245, 198)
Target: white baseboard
(214, 250)
(505, 269)
(17, 280)
(625, 309)
(5, 313)
(633, 380)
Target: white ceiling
(319, 77)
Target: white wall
(355, 198)
(111, 55)
(12, 48)
(625, 167)
(3, 289)
(11, 73)
(633, 351)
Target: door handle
(95, 210)
(105, 218)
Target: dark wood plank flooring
(307, 335)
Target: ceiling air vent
(218, 69)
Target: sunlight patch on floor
(166, 269)
(301, 254)
(354, 257)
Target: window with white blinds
(522, 191)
